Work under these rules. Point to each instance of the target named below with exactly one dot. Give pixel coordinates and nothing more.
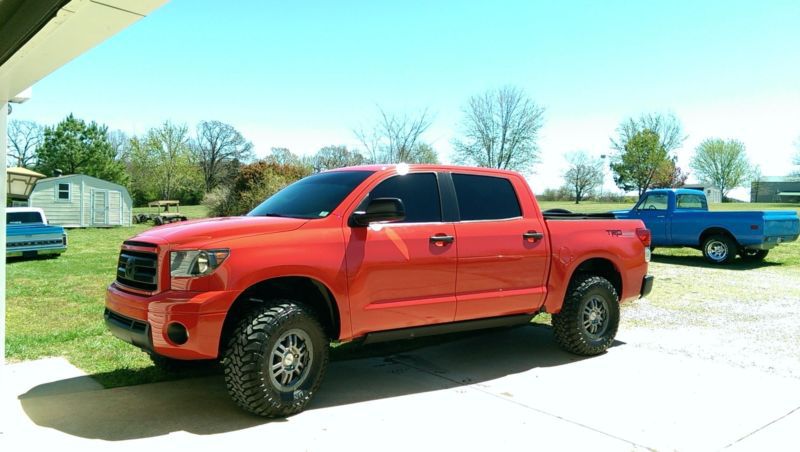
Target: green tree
(163, 166)
(722, 163)
(670, 175)
(500, 129)
(75, 147)
(667, 126)
(641, 157)
(584, 175)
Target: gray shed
(78, 200)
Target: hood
(207, 231)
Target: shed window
(63, 192)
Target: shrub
(252, 185)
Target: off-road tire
(248, 359)
(754, 255)
(713, 246)
(569, 327)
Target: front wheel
(276, 359)
(719, 249)
(589, 318)
(754, 255)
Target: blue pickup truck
(29, 235)
(680, 217)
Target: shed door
(99, 208)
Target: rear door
(502, 254)
(403, 274)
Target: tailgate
(781, 223)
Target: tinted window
(485, 197)
(692, 202)
(419, 193)
(654, 201)
(313, 197)
(23, 217)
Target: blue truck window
(655, 201)
(692, 202)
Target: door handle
(440, 240)
(532, 236)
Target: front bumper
(144, 321)
(647, 285)
(33, 252)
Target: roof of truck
(423, 166)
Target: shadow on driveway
(201, 405)
(700, 261)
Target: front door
(399, 274)
(653, 212)
(99, 208)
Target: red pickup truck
(372, 253)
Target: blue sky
(304, 74)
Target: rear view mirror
(379, 209)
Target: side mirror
(379, 209)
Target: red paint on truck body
(381, 277)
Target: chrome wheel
(595, 317)
(717, 250)
(290, 360)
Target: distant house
(775, 189)
(78, 200)
(712, 193)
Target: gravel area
(744, 317)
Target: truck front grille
(35, 243)
(138, 270)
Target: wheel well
(715, 231)
(600, 267)
(309, 292)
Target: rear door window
(485, 197)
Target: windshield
(313, 197)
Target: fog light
(177, 333)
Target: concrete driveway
(509, 389)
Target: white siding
(78, 210)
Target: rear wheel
(754, 255)
(719, 249)
(276, 359)
(589, 318)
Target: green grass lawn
(55, 306)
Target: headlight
(196, 262)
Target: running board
(446, 328)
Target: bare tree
(331, 157)
(120, 143)
(796, 159)
(395, 138)
(667, 126)
(217, 146)
(722, 163)
(584, 175)
(24, 138)
(500, 129)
